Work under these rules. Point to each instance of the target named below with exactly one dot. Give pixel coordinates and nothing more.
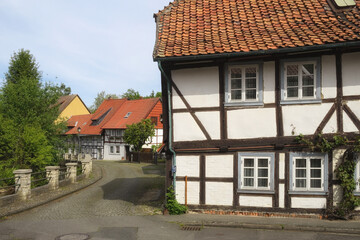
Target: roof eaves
(260, 52)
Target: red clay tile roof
(203, 27)
(113, 111)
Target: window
(357, 174)
(127, 115)
(244, 84)
(111, 149)
(308, 172)
(256, 171)
(300, 81)
(117, 149)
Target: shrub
(172, 204)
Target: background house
(101, 134)
(71, 105)
(241, 80)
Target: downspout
(173, 169)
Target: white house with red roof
(101, 134)
(240, 81)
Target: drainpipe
(173, 169)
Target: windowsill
(300, 101)
(256, 191)
(357, 194)
(318, 193)
(233, 104)
(114, 153)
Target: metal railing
(63, 174)
(79, 169)
(39, 179)
(8, 185)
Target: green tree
(30, 137)
(136, 134)
(101, 96)
(153, 95)
(131, 94)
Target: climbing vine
(344, 172)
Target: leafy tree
(131, 94)
(153, 95)
(101, 96)
(136, 134)
(29, 136)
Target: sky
(89, 45)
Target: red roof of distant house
(203, 27)
(111, 115)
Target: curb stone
(10, 213)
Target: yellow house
(71, 105)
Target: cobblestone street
(125, 189)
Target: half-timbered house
(100, 135)
(240, 81)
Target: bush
(172, 204)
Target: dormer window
(127, 115)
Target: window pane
(300, 183)
(236, 73)
(315, 183)
(235, 83)
(251, 94)
(315, 163)
(308, 80)
(308, 91)
(292, 70)
(308, 69)
(300, 162)
(250, 72)
(293, 81)
(262, 182)
(262, 173)
(235, 94)
(292, 92)
(248, 162)
(250, 83)
(300, 173)
(315, 173)
(248, 182)
(248, 172)
(262, 162)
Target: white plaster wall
(303, 119)
(219, 166)
(193, 192)
(255, 201)
(355, 106)
(269, 82)
(337, 159)
(313, 203)
(199, 86)
(331, 126)
(187, 166)
(211, 122)
(349, 126)
(328, 79)
(351, 73)
(114, 156)
(251, 123)
(218, 193)
(281, 195)
(282, 166)
(186, 129)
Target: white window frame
(316, 97)
(259, 85)
(324, 173)
(357, 174)
(261, 155)
(111, 149)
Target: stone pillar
(87, 167)
(23, 178)
(71, 171)
(52, 174)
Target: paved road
(120, 207)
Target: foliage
(172, 204)
(131, 94)
(101, 96)
(136, 134)
(29, 136)
(345, 171)
(153, 95)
